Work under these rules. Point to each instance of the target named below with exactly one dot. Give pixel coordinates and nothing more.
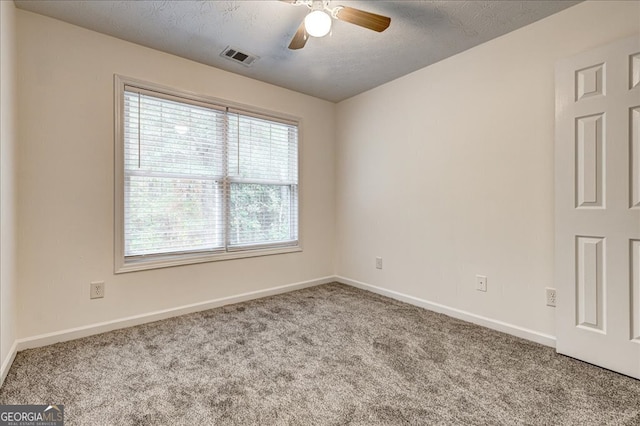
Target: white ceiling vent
(246, 59)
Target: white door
(597, 184)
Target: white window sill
(156, 262)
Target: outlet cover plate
(96, 290)
(378, 263)
(551, 296)
(481, 283)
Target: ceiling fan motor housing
(317, 23)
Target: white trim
(118, 172)
(283, 117)
(514, 330)
(8, 361)
(103, 327)
(169, 261)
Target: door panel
(597, 188)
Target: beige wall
(448, 172)
(463, 150)
(66, 181)
(8, 168)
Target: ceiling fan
(317, 23)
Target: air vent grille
(235, 55)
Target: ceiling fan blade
(299, 39)
(364, 19)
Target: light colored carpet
(328, 355)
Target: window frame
(122, 264)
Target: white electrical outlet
(481, 283)
(551, 296)
(378, 262)
(96, 290)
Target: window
(199, 180)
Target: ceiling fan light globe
(317, 23)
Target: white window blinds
(263, 175)
(199, 177)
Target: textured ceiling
(349, 61)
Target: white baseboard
(8, 361)
(493, 324)
(92, 329)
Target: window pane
(165, 215)
(263, 214)
(262, 149)
(163, 136)
(174, 161)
